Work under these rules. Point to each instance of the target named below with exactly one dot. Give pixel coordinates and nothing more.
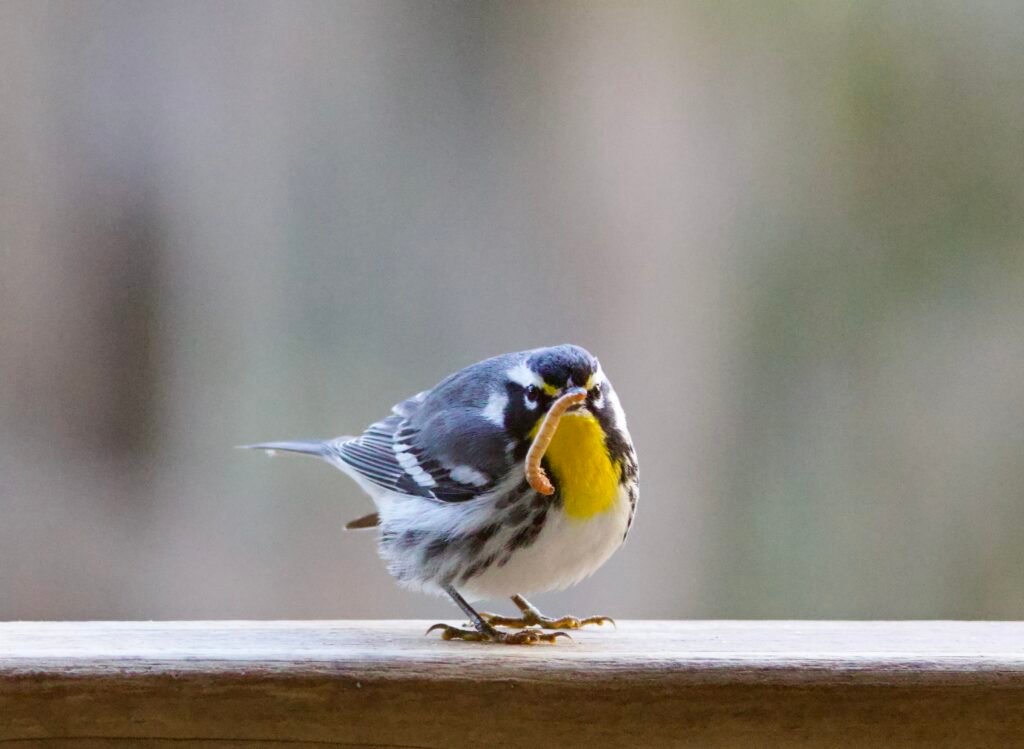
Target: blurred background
(791, 231)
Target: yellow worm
(534, 471)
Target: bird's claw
(522, 637)
(544, 622)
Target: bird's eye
(596, 390)
(532, 393)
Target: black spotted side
(631, 480)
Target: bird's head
(546, 374)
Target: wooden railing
(385, 684)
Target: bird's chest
(586, 475)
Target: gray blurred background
(791, 232)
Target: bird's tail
(322, 449)
(306, 447)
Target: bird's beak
(579, 406)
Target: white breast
(566, 551)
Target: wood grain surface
(384, 684)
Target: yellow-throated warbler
(514, 475)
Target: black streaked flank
(434, 549)
(518, 514)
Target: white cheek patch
(598, 379)
(494, 411)
(620, 415)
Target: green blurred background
(791, 232)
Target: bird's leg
(484, 632)
(533, 618)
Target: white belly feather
(566, 551)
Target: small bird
(514, 475)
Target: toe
(567, 622)
(552, 636)
(599, 621)
(454, 633)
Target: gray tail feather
(318, 448)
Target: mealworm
(534, 471)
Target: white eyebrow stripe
(494, 411)
(524, 376)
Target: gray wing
(438, 444)
(452, 455)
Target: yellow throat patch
(587, 478)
